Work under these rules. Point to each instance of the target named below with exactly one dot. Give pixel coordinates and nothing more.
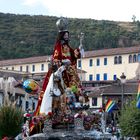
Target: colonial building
(11, 94)
(36, 67)
(98, 69)
(109, 64)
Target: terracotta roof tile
(24, 60)
(88, 54)
(113, 51)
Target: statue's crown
(62, 24)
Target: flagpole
(105, 121)
(82, 53)
(104, 118)
(123, 81)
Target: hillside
(25, 35)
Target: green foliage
(11, 119)
(25, 35)
(130, 120)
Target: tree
(11, 119)
(130, 120)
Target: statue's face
(66, 36)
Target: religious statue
(61, 91)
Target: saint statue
(62, 87)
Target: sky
(116, 10)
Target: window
(98, 62)
(90, 77)
(94, 101)
(134, 58)
(33, 67)
(79, 63)
(105, 76)
(90, 62)
(115, 60)
(120, 60)
(105, 61)
(42, 67)
(138, 57)
(27, 68)
(20, 68)
(97, 77)
(49, 65)
(114, 77)
(26, 105)
(130, 59)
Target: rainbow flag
(138, 94)
(109, 106)
(138, 97)
(138, 104)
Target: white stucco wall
(111, 69)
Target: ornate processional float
(62, 103)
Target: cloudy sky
(117, 10)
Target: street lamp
(123, 81)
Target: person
(25, 129)
(113, 137)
